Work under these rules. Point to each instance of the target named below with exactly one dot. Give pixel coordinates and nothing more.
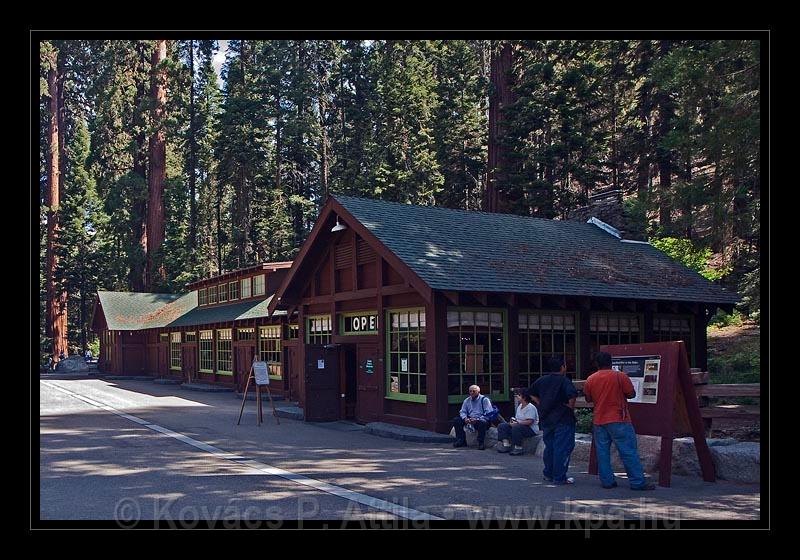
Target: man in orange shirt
(609, 390)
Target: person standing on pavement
(524, 424)
(473, 417)
(609, 390)
(554, 395)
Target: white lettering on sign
(361, 323)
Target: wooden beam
(607, 303)
(534, 299)
(510, 299)
(560, 301)
(452, 297)
(482, 298)
(630, 305)
(673, 306)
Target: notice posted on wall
(643, 373)
(404, 364)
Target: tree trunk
(56, 310)
(323, 107)
(136, 276)
(663, 154)
(500, 98)
(158, 169)
(192, 159)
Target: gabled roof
(458, 250)
(128, 311)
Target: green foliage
(583, 417)
(685, 252)
(722, 319)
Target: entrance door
(368, 376)
(244, 359)
(322, 384)
(163, 365)
(292, 373)
(189, 361)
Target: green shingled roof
(126, 311)
(483, 252)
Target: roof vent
(605, 227)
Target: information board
(665, 404)
(261, 372)
(643, 373)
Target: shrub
(583, 416)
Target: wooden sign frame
(251, 377)
(676, 411)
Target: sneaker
(516, 451)
(612, 485)
(459, 443)
(547, 478)
(503, 448)
(481, 446)
(569, 480)
(645, 486)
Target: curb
(167, 381)
(291, 412)
(127, 377)
(264, 397)
(206, 388)
(382, 429)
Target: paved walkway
(85, 447)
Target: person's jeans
(624, 438)
(514, 432)
(480, 426)
(559, 441)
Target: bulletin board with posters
(665, 404)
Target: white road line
(376, 503)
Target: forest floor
(734, 356)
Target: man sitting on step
(473, 417)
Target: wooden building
(207, 335)
(401, 308)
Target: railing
(705, 392)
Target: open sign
(366, 323)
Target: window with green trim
(666, 328)
(269, 349)
(614, 328)
(206, 349)
(543, 334)
(202, 296)
(190, 337)
(212, 294)
(233, 290)
(223, 292)
(406, 373)
(476, 352)
(258, 285)
(294, 332)
(224, 354)
(246, 288)
(318, 329)
(175, 350)
(246, 334)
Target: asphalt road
(178, 456)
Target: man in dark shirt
(554, 395)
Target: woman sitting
(524, 424)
